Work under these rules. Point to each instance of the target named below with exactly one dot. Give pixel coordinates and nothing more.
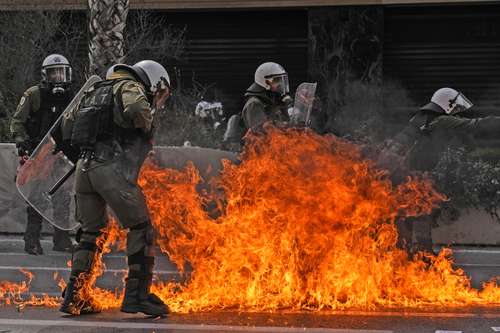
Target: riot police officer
(39, 107)
(437, 125)
(112, 128)
(267, 99)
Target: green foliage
(469, 181)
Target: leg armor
(82, 261)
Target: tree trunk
(106, 26)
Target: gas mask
(58, 77)
(280, 87)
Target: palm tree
(106, 26)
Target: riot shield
(304, 98)
(44, 169)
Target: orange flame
(304, 223)
(11, 293)
(99, 298)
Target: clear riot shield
(44, 169)
(300, 115)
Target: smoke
(370, 113)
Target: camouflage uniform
(109, 177)
(37, 111)
(427, 136)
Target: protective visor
(58, 74)
(279, 84)
(459, 104)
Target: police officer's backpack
(94, 118)
(235, 129)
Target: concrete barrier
(12, 206)
(473, 227)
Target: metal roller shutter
(427, 48)
(225, 47)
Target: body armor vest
(51, 107)
(94, 118)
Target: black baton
(61, 181)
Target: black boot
(81, 262)
(62, 241)
(72, 304)
(137, 296)
(138, 299)
(32, 234)
(140, 275)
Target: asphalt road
(49, 320)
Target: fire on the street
(11, 293)
(302, 223)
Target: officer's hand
(160, 98)
(60, 146)
(68, 150)
(57, 148)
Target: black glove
(23, 148)
(68, 150)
